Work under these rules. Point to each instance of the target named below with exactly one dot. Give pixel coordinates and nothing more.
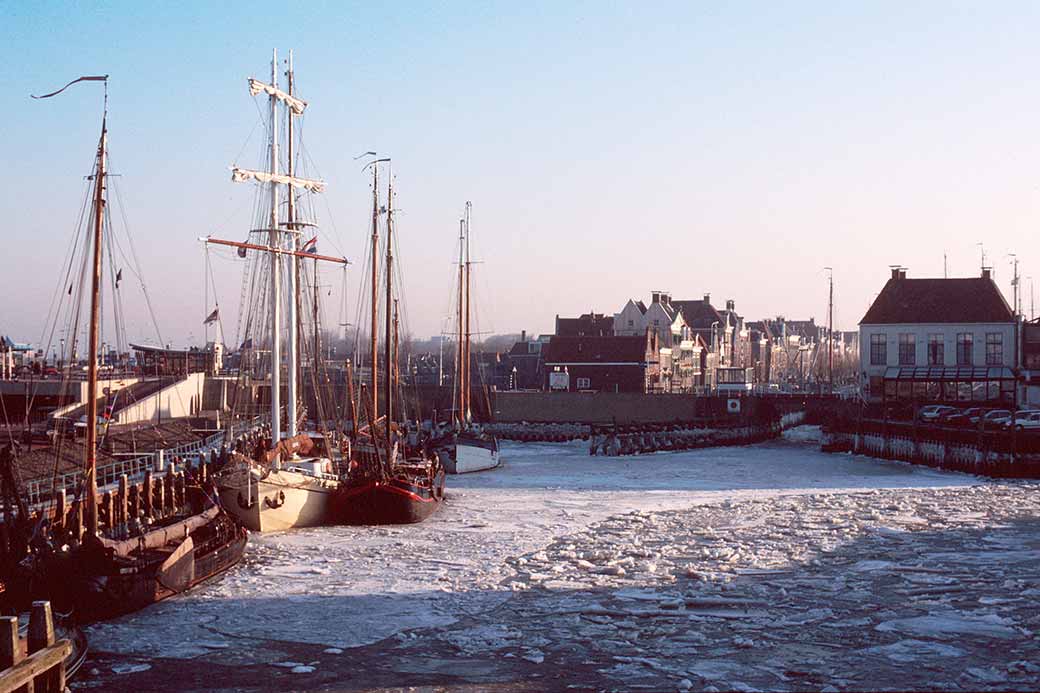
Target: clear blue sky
(608, 149)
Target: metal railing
(39, 490)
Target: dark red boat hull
(399, 501)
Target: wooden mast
(374, 409)
(90, 499)
(293, 318)
(466, 368)
(275, 242)
(397, 362)
(388, 347)
(459, 377)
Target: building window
(936, 350)
(907, 350)
(878, 350)
(994, 349)
(630, 323)
(583, 383)
(965, 341)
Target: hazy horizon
(608, 150)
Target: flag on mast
(311, 246)
(212, 317)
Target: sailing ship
(285, 486)
(466, 448)
(393, 477)
(130, 562)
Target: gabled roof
(611, 349)
(587, 324)
(969, 300)
(698, 314)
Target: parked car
(935, 412)
(966, 417)
(994, 418)
(1025, 420)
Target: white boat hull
(275, 501)
(472, 458)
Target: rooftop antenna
(946, 273)
(1017, 305)
(1032, 300)
(982, 262)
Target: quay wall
(986, 457)
(625, 408)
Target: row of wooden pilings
(614, 443)
(37, 666)
(160, 493)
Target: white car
(933, 412)
(1026, 420)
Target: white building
(939, 340)
(676, 350)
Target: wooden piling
(134, 500)
(60, 510)
(123, 500)
(107, 513)
(10, 647)
(148, 495)
(169, 500)
(159, 502)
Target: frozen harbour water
(769, 567)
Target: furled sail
(241, 175)
(297, 105)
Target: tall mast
(397, 361)
(830, 335)
(375, 300)
(294, 263)
(276, 270)
(95, 306)
(388, 347)
(460, 403)
(467, 374)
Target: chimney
(902, 273)
(895, 273)
(666, 298)
(655, 297)
(987, 272)
(523, 335)
(707, 299)
(731, 305)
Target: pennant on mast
(86, 78)
(242, 175)
(297, 105)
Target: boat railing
(39, 490)
(308, 472)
